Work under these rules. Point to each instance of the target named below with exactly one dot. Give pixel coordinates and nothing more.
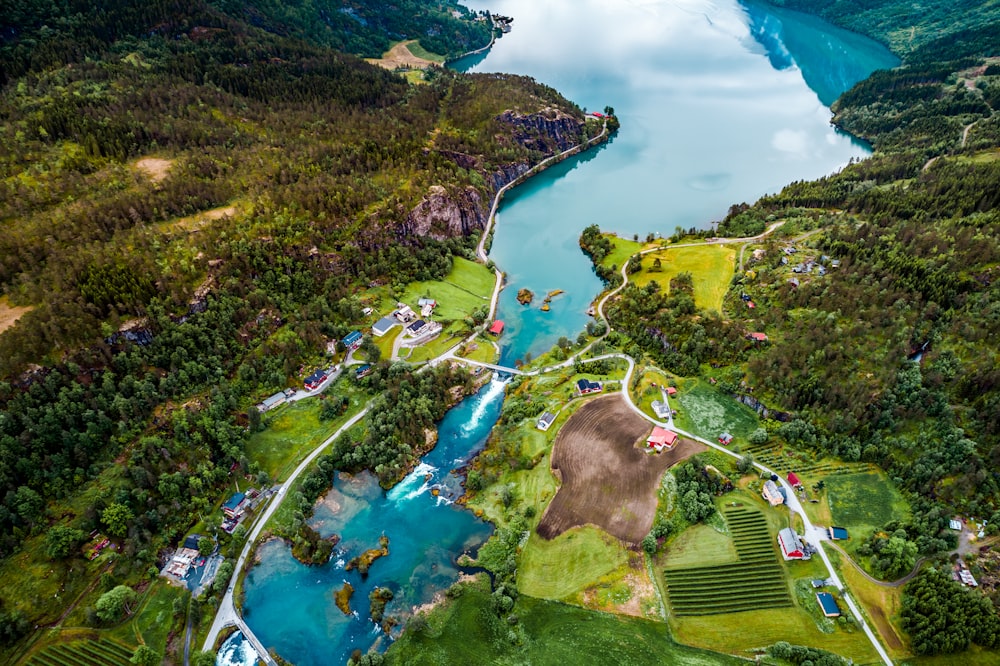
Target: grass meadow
(553, 634)
(863, 503)
(711, 268)
(706, 411)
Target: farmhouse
(383, 326)
(791, 545)
(725, 439)
(404, 313)
(313, 381)
(545, 421)
(416, 327)
(772, 493)
(181, 562)
(661, 439)
(427, 306)
(585, 386)
(352, 340)
(496, 330)
(828, 604)
(235, 505)
(275, 400)
(661, 409)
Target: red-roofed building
(671, 390)
(757, 337)
(661, 438)
(497, 328)
(794, 479)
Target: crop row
(83, 653)
(714, 588)
(722, 570)
(736, 607)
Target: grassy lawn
(419, 51)
(698, 545)
(863, 503)
(466, 288)
(295, 429)
(484, 352)
(706, 411)
(554, 634)
(446, 339)
(154, 619)
(562, 568)
(387, 341)
(737, 633)
(644, 394)
(622, 249)
(711, 268)
(974, 655)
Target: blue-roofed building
(828, 604)
(233, 507)
(352, 340)
(585, 386)
(838, 533)
(313, 381)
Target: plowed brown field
(607, 479)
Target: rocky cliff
(443, 213)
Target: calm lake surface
(720, 103)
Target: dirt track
(401, 56)
(607, 480)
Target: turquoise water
(290, 606)
(720, 103)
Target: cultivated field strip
(753, 582)
(83, 653)
(772, 456)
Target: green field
(418, 50)
(864, 502)
(295, 429)
(462, 632)
(570, 563)
(711, 268)
(466, 288)
(698, 545)
(706, 411)
(756, 580)
(622, 249)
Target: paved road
(227, 615)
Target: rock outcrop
(444, 213)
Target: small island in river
(365, 559)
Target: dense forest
(163, 301)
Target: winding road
(227, 614)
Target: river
(290, 606)
(720, 102)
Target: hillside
(193, 201)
